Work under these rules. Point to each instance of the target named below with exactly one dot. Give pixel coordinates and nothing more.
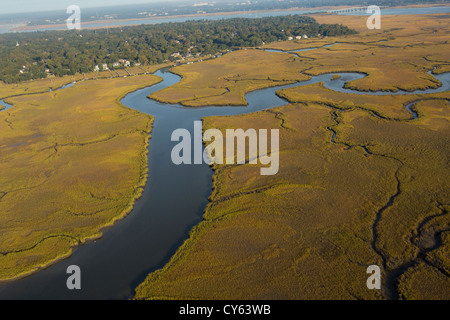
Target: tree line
(33, 55)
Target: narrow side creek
(425, 242)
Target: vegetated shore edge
(185, 103)
(139, 189)
(183, 249)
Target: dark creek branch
(77, 241)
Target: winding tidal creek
(173, 201)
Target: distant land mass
(177, 8)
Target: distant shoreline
(200, 15)
(430, 5)
(156, 18)
(62, 25)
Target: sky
(19, 6)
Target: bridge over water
(352, 10)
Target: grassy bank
(73, 162)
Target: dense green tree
(71, 51)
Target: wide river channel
(172, 203)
